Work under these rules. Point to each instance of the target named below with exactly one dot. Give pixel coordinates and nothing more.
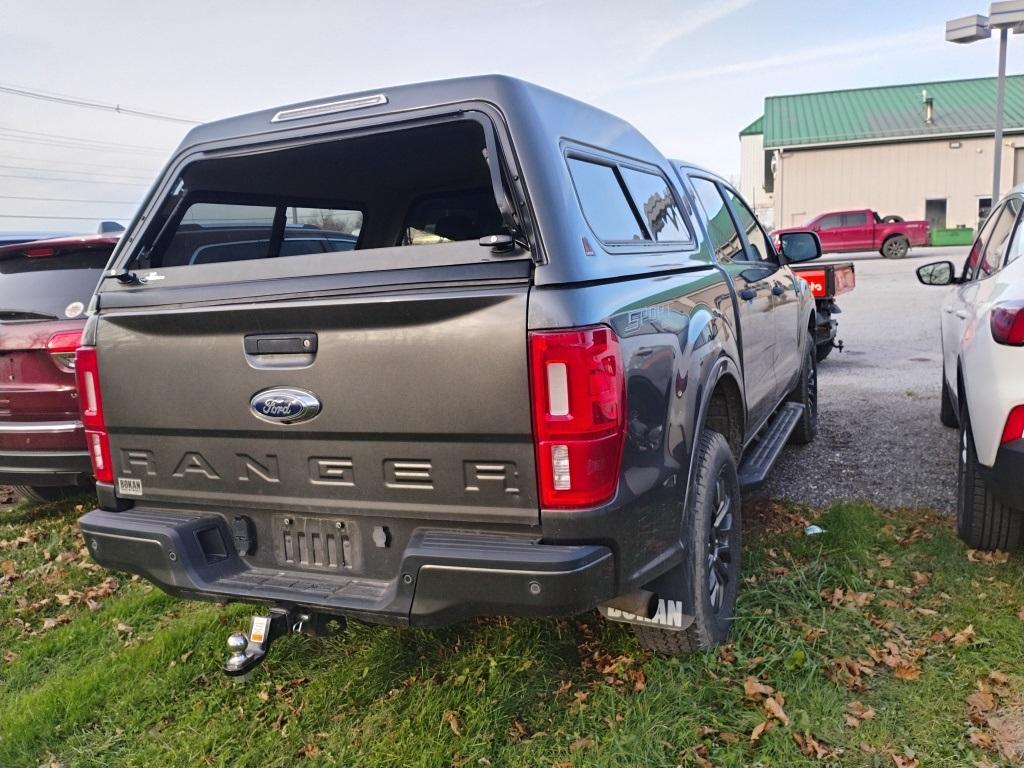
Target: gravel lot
(879, 434)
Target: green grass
(506, 692)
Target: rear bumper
(49, 468)
(445, 575)
(1006, 478)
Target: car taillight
(1014, 429)
(62, 346)
(579, 421)
(98, 441)
(1007, 321)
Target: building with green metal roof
(920, 150)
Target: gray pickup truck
(438, 351)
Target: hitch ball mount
(248, 651)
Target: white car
(983, 376)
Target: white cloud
(707, 13)
(916, 40)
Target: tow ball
(249, 650)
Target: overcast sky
(688, 73)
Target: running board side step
(761, 456)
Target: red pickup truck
(865, 230)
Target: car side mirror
(798, 247)
(937, 273)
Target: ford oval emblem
(284, 405)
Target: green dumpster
(957, 236)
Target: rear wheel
(947, 413)
(982, 521)
(895, 247)
(710, 572)
(806, 393)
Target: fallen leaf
(773, 706)
(995, 557)
(902, 761)
(754, 689)
(700, 755)
(582, 743)
(982, 740)
(759, 730)
(963, 637)
(905, 671)
(857, 712)
(811, 746)
(7, 567)
(452, 719)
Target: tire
(947, 413)
(43, 494)
(806, 393)
(891, 219)
(712, 538)
(982, 521)
(895, 247)
(822, 351)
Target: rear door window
(859, 219)
(47, 287)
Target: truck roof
(555, 114)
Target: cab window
(721, 229)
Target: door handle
(747, 294)
(778, 289)
(961, 313)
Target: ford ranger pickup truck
(865, 230)
(536, 385)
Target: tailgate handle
(280, 344)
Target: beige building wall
(893, 178)
(752, 178)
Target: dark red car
(45, 288)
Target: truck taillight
(1014, 429)
(62, 346)
(579, 421)
(87, 374)
(1007, 322)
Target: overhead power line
(60, 163)
(65, 178)
(91, 174)
(69, 200)
(73, 101)
(68, 218)
(81, 139)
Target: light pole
(1003, 16)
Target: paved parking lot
(879, 433)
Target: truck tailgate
(425, 408)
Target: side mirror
(937, 273)
(800, 246)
